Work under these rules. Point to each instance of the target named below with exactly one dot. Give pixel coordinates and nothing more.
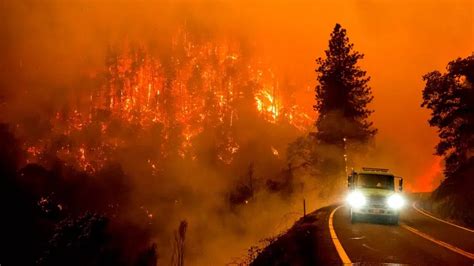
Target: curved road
(418, 240)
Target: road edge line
(340, 250)
(439, 219)
(439, 242)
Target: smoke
(54, 51)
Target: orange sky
(402, 40)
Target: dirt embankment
(451, 201)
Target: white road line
(441, 220)
(439, 242)
(340, 250)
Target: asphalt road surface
(418, 240)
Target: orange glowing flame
(267, 104)
(430, 179)
(275, 152)
(138, 91)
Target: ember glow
(198, 102)
(431, 178)
(136, 91)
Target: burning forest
(164, 126)
(200, 89)
(194, 132)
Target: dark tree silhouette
(90, 239)
(19, 219)
(450, 97)
(78, 242)
(342, 94)
(179, 238)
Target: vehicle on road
(375, 193)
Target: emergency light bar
(375, 169)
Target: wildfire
(33, 151)
(204, 85)
(267, 104)
(275, 152)
(430, 177)
(148, 214)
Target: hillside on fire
(201, 132)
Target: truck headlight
(395, 201)
(356, 199)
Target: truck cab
(375, 192)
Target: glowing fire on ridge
(205, 84)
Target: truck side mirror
(400, 184)
(350, 181)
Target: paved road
(418, 240)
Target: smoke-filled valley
(163, 131)
(198, 134)
(195, 131)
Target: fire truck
(375, 193)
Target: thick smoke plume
(186, 108)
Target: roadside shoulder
(307, 243)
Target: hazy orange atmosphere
(55, 54)
(57, 42)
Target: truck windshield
(375, 181)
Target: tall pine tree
(342, 96)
